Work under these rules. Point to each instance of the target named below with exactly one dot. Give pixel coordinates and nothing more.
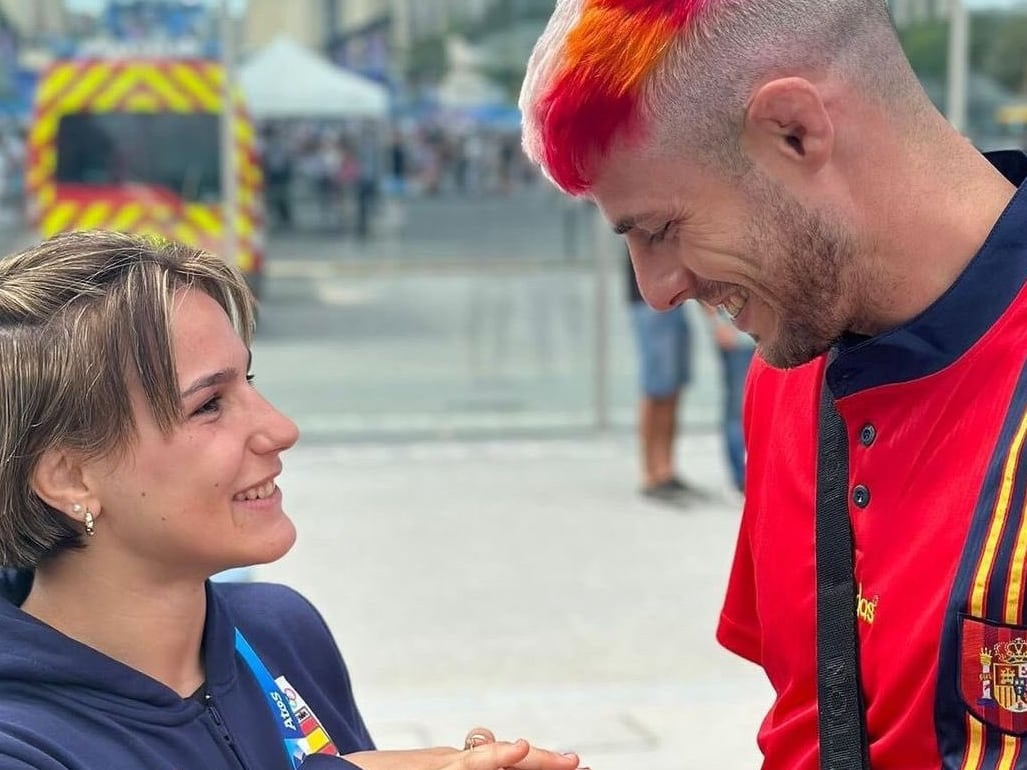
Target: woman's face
(204, 497)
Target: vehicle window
(179, 152)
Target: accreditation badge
(315, 738)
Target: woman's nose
(277, 432)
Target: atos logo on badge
(283, 711)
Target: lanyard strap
(288, 725)
(843, 730)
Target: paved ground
(525, 585)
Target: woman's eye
(210, 407)
(213, 404)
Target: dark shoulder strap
(843, 731)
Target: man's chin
(789, 356)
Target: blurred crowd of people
(465, 162)
(338, 175)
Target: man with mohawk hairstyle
(779, 159)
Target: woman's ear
(59, 481)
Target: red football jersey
(936, 414)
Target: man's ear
(787, 128)
(60, 482)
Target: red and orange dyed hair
(594, 95)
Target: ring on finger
(474, 740)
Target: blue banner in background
(129, 20)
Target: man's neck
(932, 229)
(157, 630)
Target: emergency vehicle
(134, 144)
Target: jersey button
(868, 435)
(861, 496)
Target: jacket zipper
(222, 728)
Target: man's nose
(663, 281)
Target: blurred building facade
(313, 22)
(412, 19)
(37, 20)
(377, 33)
(308, 22)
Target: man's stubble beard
(807, 257)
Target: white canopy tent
(285, 80)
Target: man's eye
(659, 236)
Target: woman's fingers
(535, 759)
(491, 756)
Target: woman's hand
(481, 752)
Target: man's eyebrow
(216, 378)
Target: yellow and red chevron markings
(142, 86)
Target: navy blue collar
(947, 329)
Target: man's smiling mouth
(734, 303)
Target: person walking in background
(780, 159)
(278, 167)
(368, 153)
(398, 165)
(663, 345)
(735, 349)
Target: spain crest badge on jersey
(993, 673)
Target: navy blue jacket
(65, 706)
